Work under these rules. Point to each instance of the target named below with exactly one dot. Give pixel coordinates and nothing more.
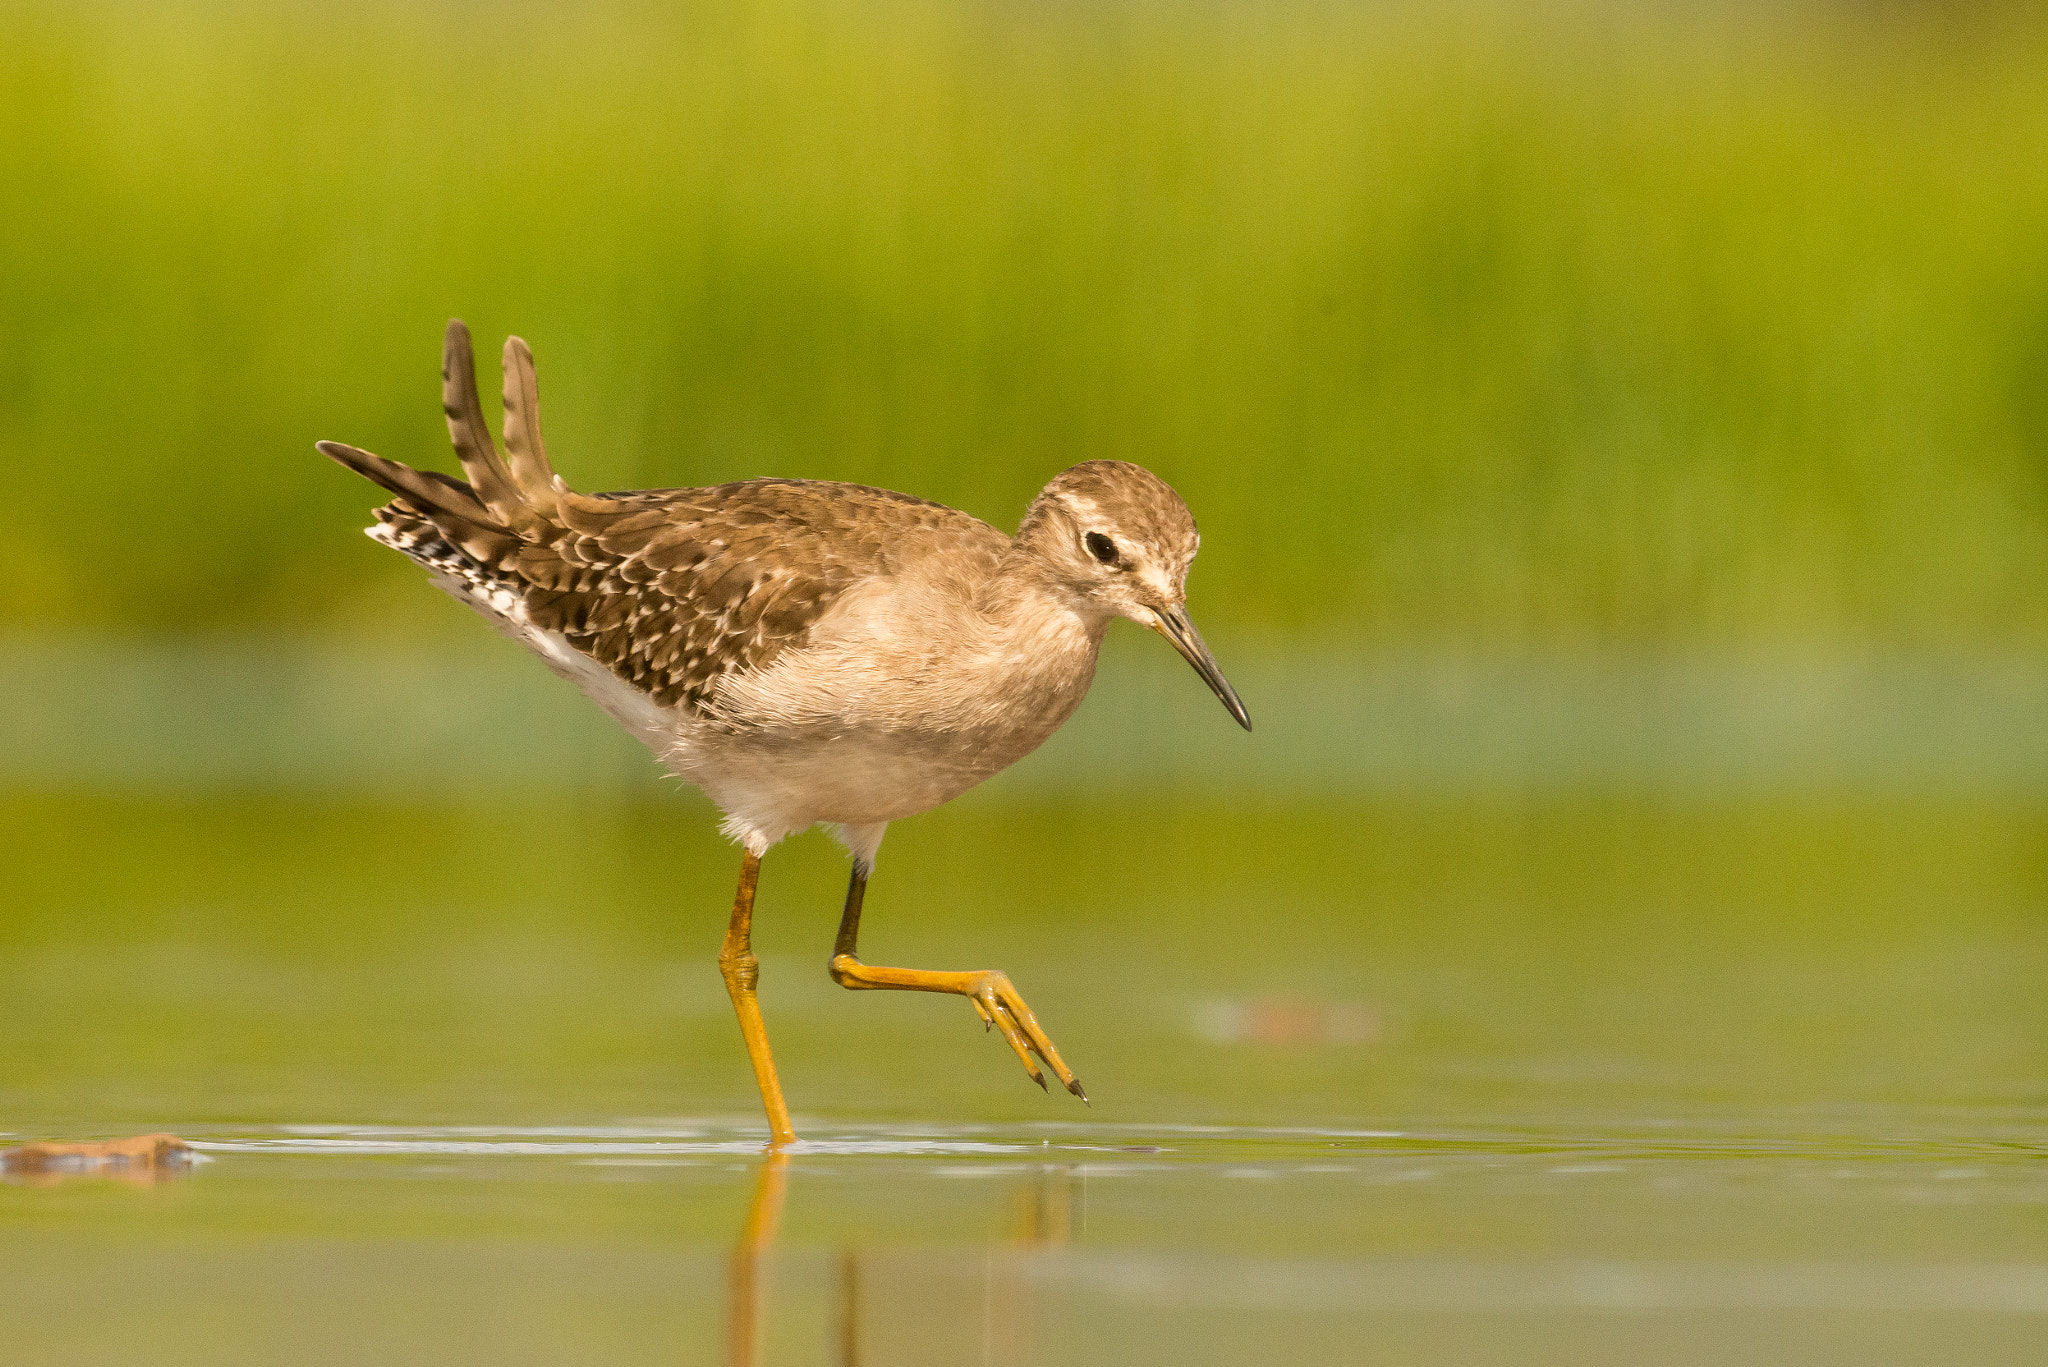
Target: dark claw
(1075, 1088)
(1040, 1080)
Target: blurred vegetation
(1537, 323)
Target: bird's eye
(1101, 547)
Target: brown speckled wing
(670, 589)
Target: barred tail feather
(468, 431)
(535, 479)
(429, 492)
(505, 525)
(519, 498)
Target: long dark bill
(1175, 627)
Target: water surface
(1432, 1082)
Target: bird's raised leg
(742, 970)
(995, 1000)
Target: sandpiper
(807, 653)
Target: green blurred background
(1620, 435)
(1521, 322)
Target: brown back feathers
(669, 589)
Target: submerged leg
(995, 1000)
(742, 970)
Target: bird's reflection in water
(849, 1309)
(757, 1236)
(1044, 1218)
(1045, 1207)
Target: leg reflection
(849, 1309)
(757, 1236)
(1043, 1221)
(1045, 1209)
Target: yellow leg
(742, 971)
(995, 1000)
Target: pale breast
(905, 697)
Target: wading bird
(807, 653)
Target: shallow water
(675, 1241)
(1437, 1083)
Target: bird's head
(1118, 537)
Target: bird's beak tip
(1172, 623)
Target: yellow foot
(995, 999)
(998, 1002)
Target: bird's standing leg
(742, 970)
(996, 1001)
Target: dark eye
(1101, 547)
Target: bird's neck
(1025, 601)
(1038, 640)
